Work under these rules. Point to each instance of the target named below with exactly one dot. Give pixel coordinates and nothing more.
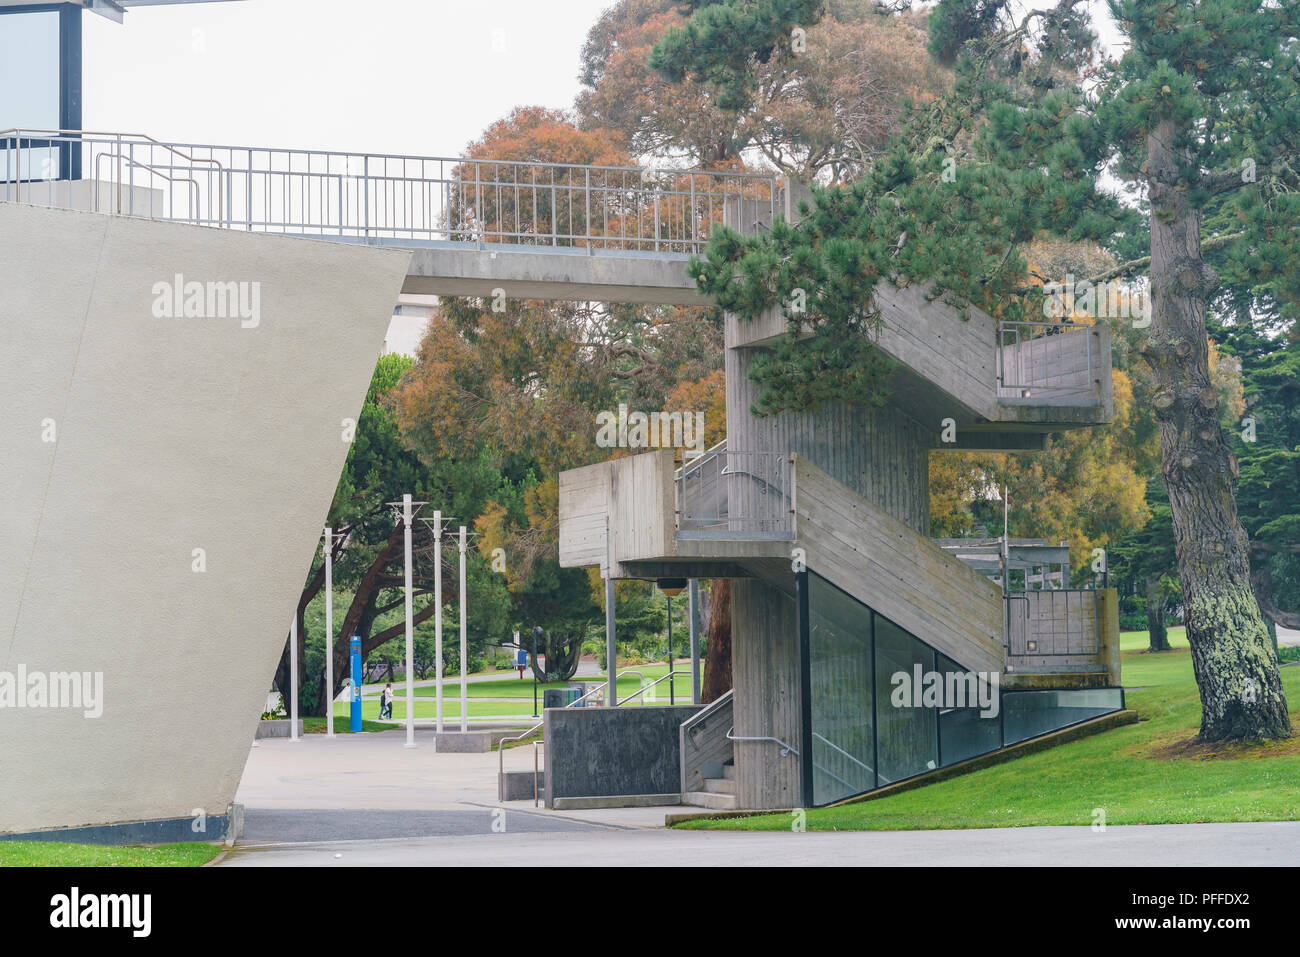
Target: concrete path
(367, 800)
(1275, 844)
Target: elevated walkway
(484, 227)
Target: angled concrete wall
(131, 440)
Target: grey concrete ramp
(163, 483)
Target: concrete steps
(711, 800)
(719, 793)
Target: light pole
(437, 610)
(464, 694)
(406, 515)
(671, 587)
(537, 632)
(293, 678)
(410, 654)
(329, 633)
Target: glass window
(907, 734)
(1027, 714)
(839, 648)
(29, 70)
(965, 732)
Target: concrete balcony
(725, 514)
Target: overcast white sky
(393, 76)
(390, 76)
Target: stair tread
(720, 785)
(708, 799)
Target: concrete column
(693, 613)
(611, 651)
(765, 676)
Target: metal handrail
(646, 688)
(688, 726)
(786, 749)
(378, 197)
(1022, 333)
(501, 750)
(829, 743)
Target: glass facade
(29, 70)
(885, 706)
(843, 699)
(40, 89)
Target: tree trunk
(1234, 662)
(562, 654)
(717, 643)
(1157, 634)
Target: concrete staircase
(719, 792)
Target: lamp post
(671, 587)
(537, 633)
(329, 633)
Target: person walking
(386, 703)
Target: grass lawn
(317, 725)
(54, 854)
(1152, 772)
(513, 687)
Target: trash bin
(560, 697)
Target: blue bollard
(356, 682)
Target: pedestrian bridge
(533, 230)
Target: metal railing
(1056, 623)
(788, 749)
(1048, 360)
(644, 688)
(728, 491)
(380, 198)
(501, 748)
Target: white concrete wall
(172, 435)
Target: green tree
(1201, 109)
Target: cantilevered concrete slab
(163, 484)
(559, 273)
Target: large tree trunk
(717, 643)
(1235, 665)
(562, 653)
(1158, 636)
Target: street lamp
(671, 587)
(537, 633)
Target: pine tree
(1200, 112)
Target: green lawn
(428, 708)
(1147, 773)
(317, 725)
(54, 854)
(513, 687)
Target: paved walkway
(367, 800)
(1275, 844)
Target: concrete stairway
(719, 793)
